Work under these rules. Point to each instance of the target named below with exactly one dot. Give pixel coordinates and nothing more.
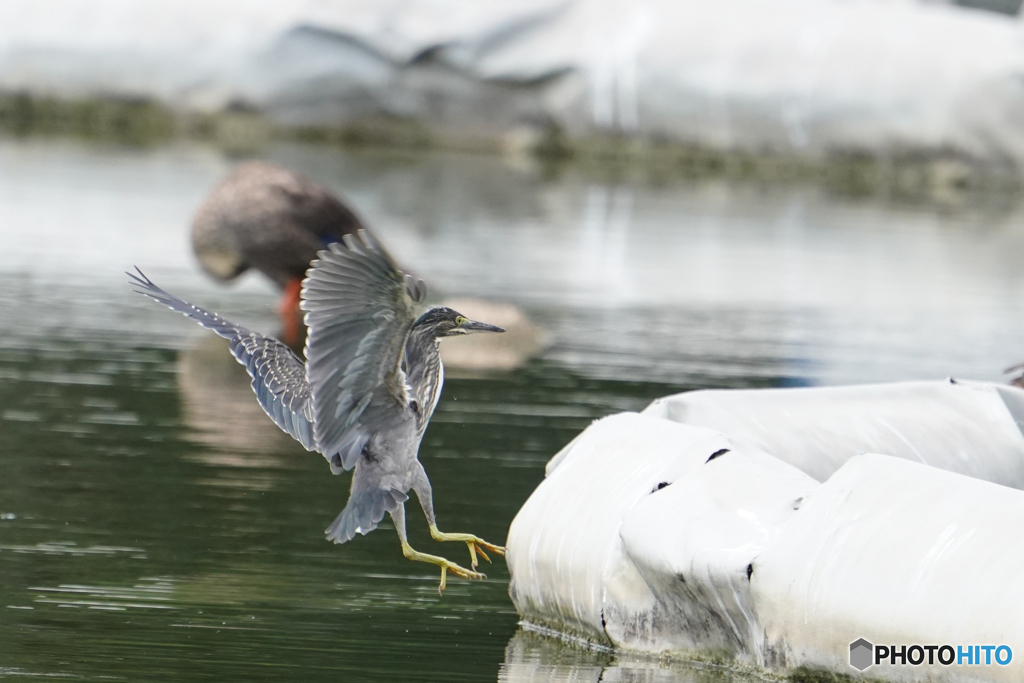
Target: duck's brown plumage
(269, 218)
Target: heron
(273, 220)
(369, 385)
(1018, 375)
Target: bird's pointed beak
(474, 326)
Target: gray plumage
(369, 386)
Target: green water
(154, 525)
(138, 547)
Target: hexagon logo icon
(861, 654)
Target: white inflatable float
(774, 529)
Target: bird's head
(444, 322)
(217, 250)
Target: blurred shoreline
(917, 99)
(239, 131)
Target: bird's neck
(422, 334)
(421, 349)
(424, 371)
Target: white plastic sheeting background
(812, 77)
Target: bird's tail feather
(362, 513)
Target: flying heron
(370, 383)
(1018, 371)
(273, 220)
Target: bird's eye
(460, 320)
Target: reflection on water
(532, 658)
(217, 402)
(154, 525)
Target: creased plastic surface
(966, 427)
(567, 562)
(897, 553)
(657, 536)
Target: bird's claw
(474, 543)
(445, 565)
(458, 571)
(477, 545)
(473, 550)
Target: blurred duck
(275, 220)
(266, 217)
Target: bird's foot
(445, 565)
(475, 544)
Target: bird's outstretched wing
(278, 375)
(359, 310)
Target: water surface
(154, 525)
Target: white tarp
(896, 553)
(968, 427)
(657, 536)
(811, 77)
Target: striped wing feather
(278, 375)
(359, 310)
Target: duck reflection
(533, 658)
(218, 405)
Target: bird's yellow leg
(475, 544)
(445, 565)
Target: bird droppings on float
(717, 454)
